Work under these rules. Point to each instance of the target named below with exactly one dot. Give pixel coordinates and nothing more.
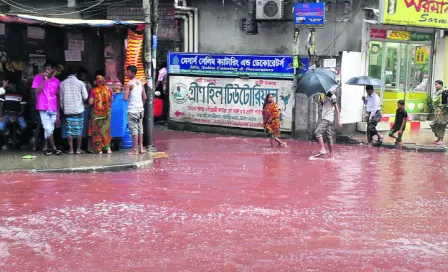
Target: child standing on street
(136, 94)
(399, 126)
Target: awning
(62, 22)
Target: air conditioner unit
(269, 9)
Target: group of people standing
(68, 98)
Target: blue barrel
(126, 141)
(119, 118)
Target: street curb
(88, 169)
(104, 168)
(342, 139)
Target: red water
(233, 204)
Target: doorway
(404, 68)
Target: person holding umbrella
(373, 108)
(325, 128)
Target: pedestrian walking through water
(373, 108)
(271, 120)
(401, 116)
(441, 112)
(325, 128)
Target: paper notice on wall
(374, 59)
(76, 45)
(75, 36)
(330, 63)
(36, 33)
(72, 55)
(2, 29)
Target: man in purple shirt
(46, 87)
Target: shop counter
(118, 120)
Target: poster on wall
(72, 55)
(35, 33)
(414, 13)
(309, 15)
(260, 66)
(76, 45)
(229, 102)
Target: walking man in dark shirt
(399, 126)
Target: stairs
(388, 121)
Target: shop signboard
(228, 102)
(378, 33)
(421, 37)
(309, 15)
(400, 35)
(421, 13)
(259, 66)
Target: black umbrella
(365, 80)
(314, 82)
(328, 72)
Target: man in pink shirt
(46, 87)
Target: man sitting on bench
(12, 109)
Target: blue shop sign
(259, 66)
(309, 14)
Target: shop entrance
(404, 68)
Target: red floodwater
(233, 204)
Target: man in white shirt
(373, 108)
(73, 93)
(325, 128)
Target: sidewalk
(11, 161)
(416, 140)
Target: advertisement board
(422, 13)
(259, 66)
(228, 102)
(309, 15)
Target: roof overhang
(63, 22)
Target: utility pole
(296, 63)
(147, 55)
(155, 27)
(312, 47)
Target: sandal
(48, 152)
(380, 140)
(57, 152)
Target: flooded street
(232, 204)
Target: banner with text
(230, 102)
(234, 65)
(424, 13)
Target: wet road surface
(233, 204)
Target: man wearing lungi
(73, 94)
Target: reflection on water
(231, 204)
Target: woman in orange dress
(101, 98)
(271, 120)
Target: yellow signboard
(398, 35)
(423, 13)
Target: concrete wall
(351, 96)
(44, 8)
(440, 57)
(219, 30)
